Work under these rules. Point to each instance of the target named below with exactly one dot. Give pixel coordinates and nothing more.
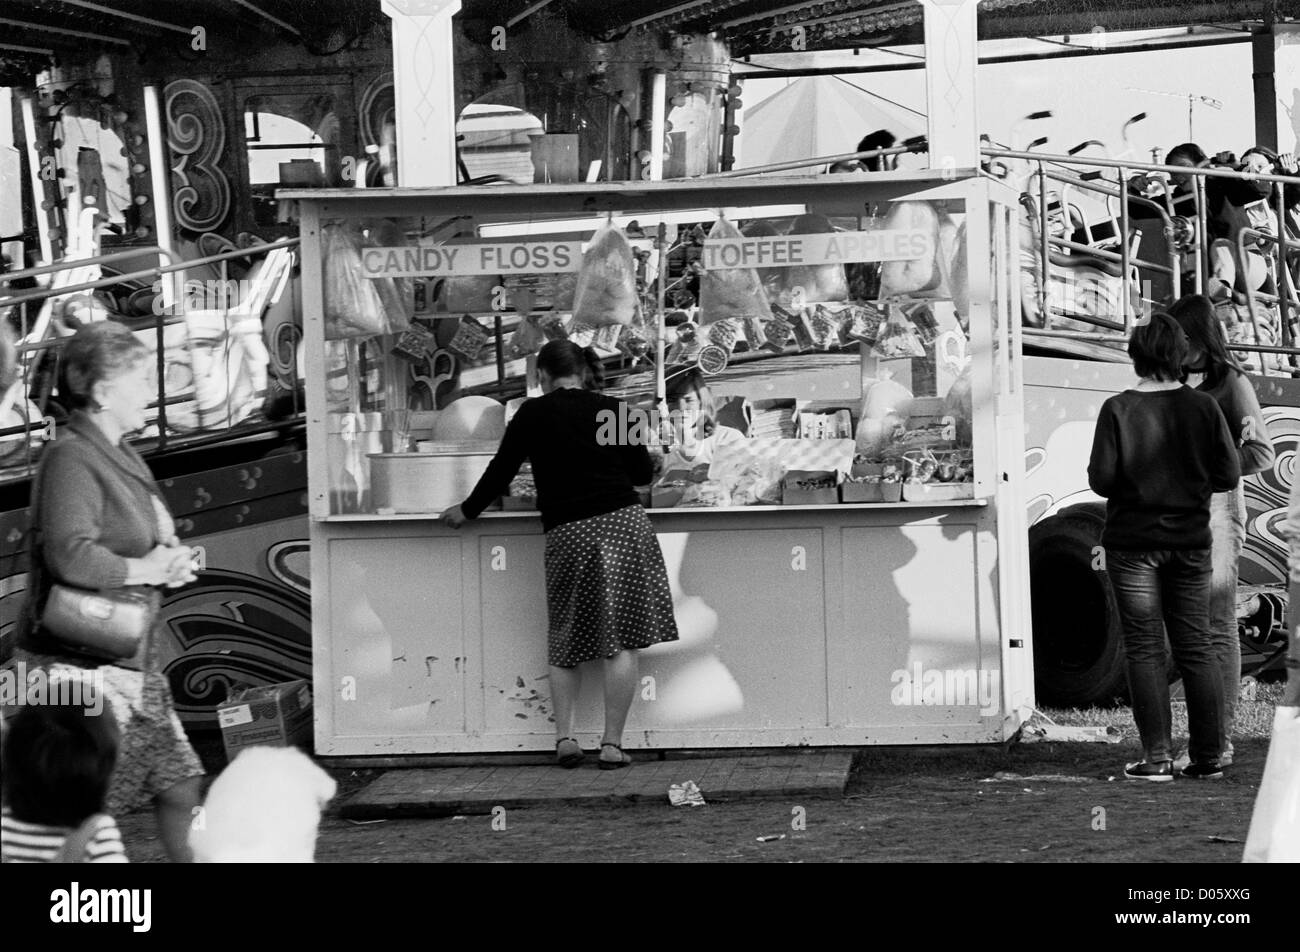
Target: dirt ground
(1069, 804)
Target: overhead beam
(61, 31)
(123, 15)
(529, 11)
(40, 50)
(251, 8)
(778, 72)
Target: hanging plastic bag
(527, 339)
(898, 338)
(397, 295)
(731, 293)
(917, 274)
(770, 278)
(810, 284)
(357, 306)
(886, 404)
(606, 289)
(957, 405)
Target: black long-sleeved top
(584, 463)
(1236, 398)
(1157, 457)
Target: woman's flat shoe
(568, 753)
(624, 759)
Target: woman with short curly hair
(102, 524)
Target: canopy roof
(817, 115)
(31, 30)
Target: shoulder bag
(110, 624)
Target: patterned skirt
(154, 753)
(606, 588)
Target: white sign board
(498, 258)
(833, 248)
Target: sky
(1090, 96)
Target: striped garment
(22, 842)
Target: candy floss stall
(848, 563)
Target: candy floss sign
(501, 258)
(837, 248)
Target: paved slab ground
(448, 791)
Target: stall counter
(792, 633)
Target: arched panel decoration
(196, 136)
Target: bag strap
(74, 847)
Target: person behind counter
(695, 430)
(1160, 450)
(607, 591)
(1212, 369)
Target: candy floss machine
(438, 477)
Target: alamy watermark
(630, 426)
(20, 687)
(201, 295)
(947, 687)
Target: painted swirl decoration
(1263, 560)
(196, 135)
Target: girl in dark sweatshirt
(1211, 368)
(1160, 451)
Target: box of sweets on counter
(824, 423)
(809, 488)
(669, 489)
(275, 715)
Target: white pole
(424, 90)
(658, 118)
(951, 55)
(159, 172)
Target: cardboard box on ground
(275, 715)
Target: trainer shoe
(1208, 770)
(1159, 772)
(1184, 758)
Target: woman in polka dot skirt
(606, 586)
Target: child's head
(58, 761)
(1158, 348)
(689, 397)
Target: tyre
(1078, 641)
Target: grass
(1254, 715)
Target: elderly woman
(103, 524)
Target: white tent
(814, 116)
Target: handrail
(1281, 298)
(68, 264)
(1144, 166)
(185, 265)
(161, 321)
(808, 163)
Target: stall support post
(424, 89)
(951, 51)
(173, 287)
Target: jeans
(1228, 526)
(1159, 591)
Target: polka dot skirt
(606, 588)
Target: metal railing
(37, 342)
(1087, 175)
(1058, 168)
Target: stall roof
(32, 30)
